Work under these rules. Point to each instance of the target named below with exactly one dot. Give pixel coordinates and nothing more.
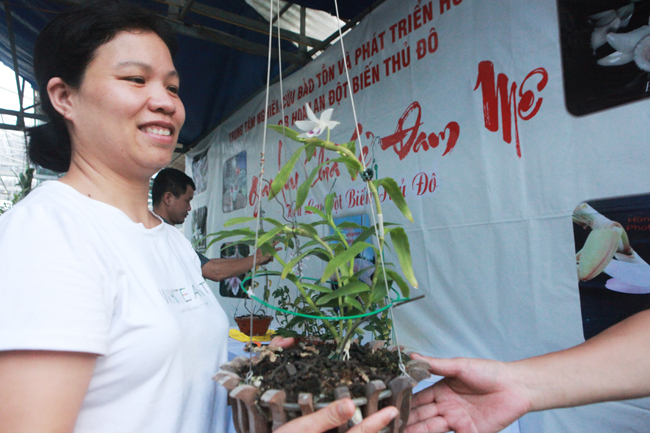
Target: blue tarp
(215, 79)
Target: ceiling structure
(223, 52)
(222, 58)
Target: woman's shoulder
(47, 202)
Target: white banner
(494, 138)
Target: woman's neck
(130, 195)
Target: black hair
(65, 48)
(170, 180)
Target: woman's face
(126, 114)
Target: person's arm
(614, 365)
(222, 269)
(336, 414)
(42, 391)
(483, 396)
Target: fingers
(426, 396)
(376, 421)
(431, 425)
(282, 342)
(440, 366)
(325, 419)
(423, 412)
(336, 414)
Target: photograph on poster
(605, 53)
(612, 238)
(199, 226)
(230, 288)
(200, 172)
(234, 183)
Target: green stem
(349, 334)
(310, 302)
(307, 299)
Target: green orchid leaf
(351, 164)
(317, 211)
(303, 189)
(310, 230)
(404, 288)
(321, 254)
(351, 146)
(237, 232)
(319, 223)
(351, 225)
(403, 251)
(338, 248)
(289, 266)
(283, 176)
(348, 289)
(369, 231)
(266, 237)
(310, 152)
(379, 292)
(287, 132)
(235, 221)
(329, 205)
(246, 233)
(270, 273)
(361, 271)
(309, 244)
(332, 239)
(365, 297)
(345, 257)
(334, 303)
(317, 288)
(318, 252)
(349, 300)
(365, 234)
(395, 194)
(277, 258)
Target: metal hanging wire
(377, 218)
(378, 222)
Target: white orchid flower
(315, 126)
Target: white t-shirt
(79, 275)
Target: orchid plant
(343, 297)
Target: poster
(234, 183)
(616, 284)
(605, 53)
(231, 287)
(200, 172)
(199, 222)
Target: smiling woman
(125, 116)
(108, 325)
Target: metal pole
(20, 121)
(303, 28)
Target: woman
(106, 324)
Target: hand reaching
(283, 342)
(336, 414)
(263, 259)
(476, 396)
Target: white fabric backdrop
(493, 242)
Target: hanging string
(379, 225)
(293, 216)
(259, 188)
(294, 220)
(377, 220)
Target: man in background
(172, 193)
